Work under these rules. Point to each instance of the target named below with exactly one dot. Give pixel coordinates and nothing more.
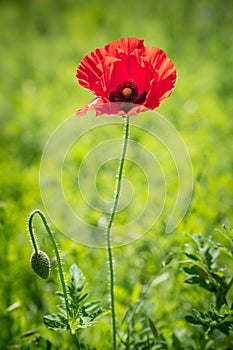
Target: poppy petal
(100, 107)
(125, 45)
(89, 71)
(158, 93)
(161, 63)
(92, 106)
(126, 62)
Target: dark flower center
(127, 92)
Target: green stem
(56, 250)
(76, 342)
(110, 223)
(33, 238)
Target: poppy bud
(40, 264)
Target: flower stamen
(127, 91)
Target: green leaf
(153, 328)
(176, 343)
(99, 313)
(214, 252)
(132, 310)
(199, 315)
(198, 239)
(192, 280)
(81, 315)
(170, 256)
(84, 297)
(190, 270)
(192, 256)
(62, 309)
(91, 305)
(213, 319)
(226, 327)
(77, 280)
(60, 295)
(55, 322)
(192, 320)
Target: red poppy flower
(127, 77)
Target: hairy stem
(33, 237)
(110, 223)
(59, 262)
(56, 250)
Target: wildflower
(127, 77)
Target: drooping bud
(41, 264)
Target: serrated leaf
(62, 309)
(91, 305)
(79, 323)
(192, 280)
(190, 270)
(227, 251)
(198, 239)
(99, 313)
(77, 280)
(192, 256)
(81, 314)
(208, 259)
(60, 295)
(84, 297)
(199, 315)
(229, 231)
(55, 321)
(190, 319)
(214, 252)
(214, 311)
(200, 271)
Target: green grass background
(42, 43)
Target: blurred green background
(42, 43)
